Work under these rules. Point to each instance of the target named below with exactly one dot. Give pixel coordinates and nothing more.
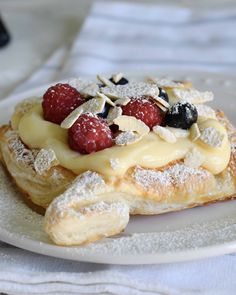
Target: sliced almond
(113, 114)
(161, 101)
(107, 99)
(194, 132)
(90, 90)
(205, 112)
(178, 132)
(129, 123)
(104, 80)
(127, 138)
(122, 101)
(84, 86)
(212, 137)
(164, 82)
(164, 133)
(194, 158)
(95, 105)
(44, 160)
(131, 90)
(164, 109)
(192, 95)
(117, 77)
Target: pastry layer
(148, 191)
(151, 152)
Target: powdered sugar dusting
(127, 137)
(22, 155)
(177, 174)
(131, 90)
(44, 160)
(212, 137)
(193, 96)
(26, 224)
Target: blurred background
(39, 28)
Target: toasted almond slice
(129, 123)
(107, 99)
(86, 87)
(122, 101)
(205, 112)
(127, 138)
(192, 95)
(113, 114)
(194, 132)
(161, 101)
(44, 160)
(194, 158)
(212, 137)
(164, 109)
(104, 80)
(164, 133)
(95, 105)
(116, 77)
(178, 132)
(164, 82)
(131, 90)
(90, 90)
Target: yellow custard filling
(150, 152)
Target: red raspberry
(59, 101)
(144, 110)
(89, 134)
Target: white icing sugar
(81, 189)
(86, 87)
(177, 174)
(26, 224)
(131, 90)
(164, 82)
(44, 160)
(193, 96)
(194, 158)
(211, 137)
(205, 112)
(127, 137)
(102, 207)
(21, 153)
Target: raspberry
(144, 110)
(89, 134)
(59, 101)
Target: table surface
(39, 27)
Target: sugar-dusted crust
(41, 189)
(88, 200)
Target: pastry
(93, 153)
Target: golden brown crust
(18, 160)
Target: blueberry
(163, 94)
(122, 81)
(181, 115)
(105, 111)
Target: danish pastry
(92, 154)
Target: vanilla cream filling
(150, 152)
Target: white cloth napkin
(129, 38)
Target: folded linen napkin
(130, 38)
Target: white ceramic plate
(180, 236)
